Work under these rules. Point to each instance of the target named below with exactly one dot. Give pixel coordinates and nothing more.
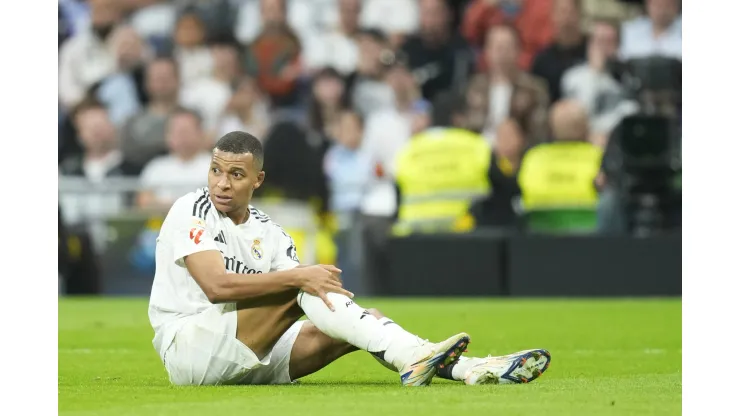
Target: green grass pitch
(609, 357)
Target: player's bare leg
(347, 321)
(262, 321)
(314, 350)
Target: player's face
(232, 179)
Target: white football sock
(463, 365)
(351, 323)
(397, 330)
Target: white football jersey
(193, 225)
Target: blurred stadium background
(430, 148)
(554, 170)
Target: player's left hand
(334, 270)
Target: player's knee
(376, 313)
(309, 331)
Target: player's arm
(208, 270)
(194, 248)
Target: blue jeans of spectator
(349, 253)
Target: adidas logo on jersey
(220, 237)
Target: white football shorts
(205, 351)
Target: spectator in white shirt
(658, 33)
(101, 156)
(366, 89)
(88, 57)
(168, 177)
(192, 54)
(154, 18)
(336, 48)
(246, 111)
(387, 131)
(591, 84)
(210, 95)
(100, 161)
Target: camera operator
(642, 160)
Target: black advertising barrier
(447, 265)
(124, 273)
(594, 266)
(494, 263)
(482, 263)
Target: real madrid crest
(256, 250)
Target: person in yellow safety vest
(561, 174)
(441, 171)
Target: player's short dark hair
(240, 142)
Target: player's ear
(260, 179)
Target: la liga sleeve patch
(197, 230)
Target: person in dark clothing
(78, 266)
(621, 190)
(498, 209)
(568, 49)
(63, 256)
(457, 8)
(325, 101)
(438, 56)
(294, 156)
(99, 155)
(69, 144)
(64, 27)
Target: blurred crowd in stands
(337, 89)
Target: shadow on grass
(322, 384)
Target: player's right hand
(320, 280)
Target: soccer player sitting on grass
(229, 291)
